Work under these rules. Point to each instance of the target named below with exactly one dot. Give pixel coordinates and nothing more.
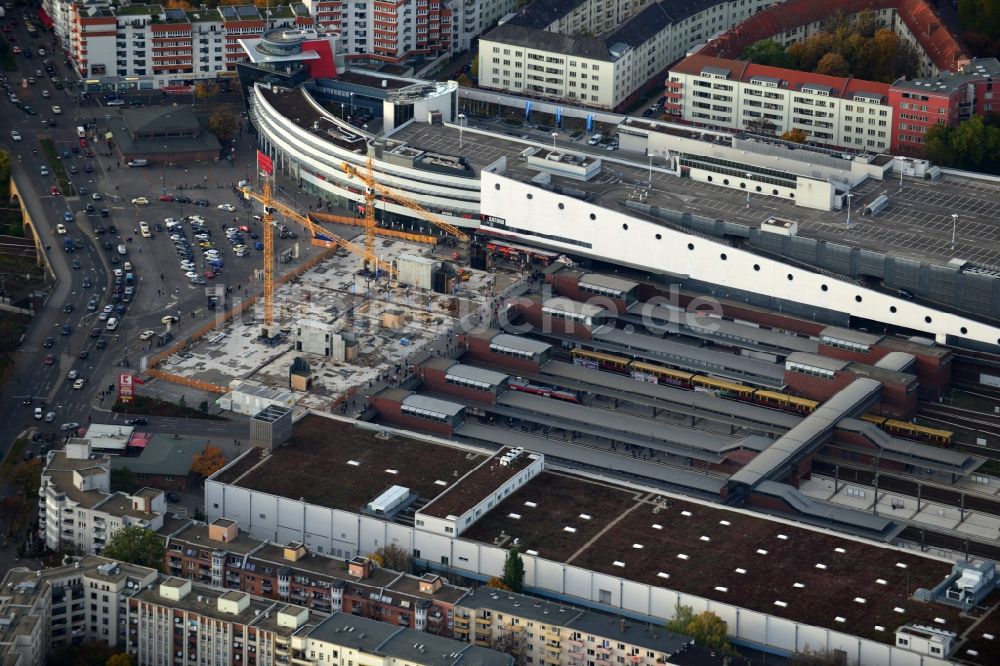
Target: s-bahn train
(656, 374)
(524, 386)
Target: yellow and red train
(658, 374)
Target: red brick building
(406, 409)
(217, 554)
(821, 377)
(445, 375)
(509, 351)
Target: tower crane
(369, 223)
(271, 206)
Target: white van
(112, 324)
(138, 163)
(80, 132)
(38, 413)
(596, 139)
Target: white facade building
(591, 55)
(77, 512)
(86, 601)
(732, 94)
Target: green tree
(513, 571)
(682, 618)
(27, 477)
(709, 630)
(223, 125)
(120, 659)
(203, 406)
(767, 52)
(85, 654)
(833, 64)
(136, 545)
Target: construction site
(351, 316)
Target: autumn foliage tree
(706, 628)
(208, 462)
(497, 584)
(392, 556)
(223, 125)
(795, 136)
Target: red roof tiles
(934, 38)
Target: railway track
(979, 423)
(922, 535)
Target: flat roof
(477, 485)
(850, 335)
(608, 282)
(436, 405)
(563, 304)
(472, 373)
(691, 356)
(323, 448)
(818, 361)
(896, 361)
(618, 520)
(163, 456)
(520, 343)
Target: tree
(795, 136)
(709, 630)
(203, 406)
(205, 89)
(706, 628)
(682, 618)
(818, 657)
(767, 52)
(85, 654)
(223, 125)
(513, 571)
(27, 477)
(120, 659)
(464, 80)
(392, 556)
(497, 583)
(833, 64)
(209, 461)
(136, 545)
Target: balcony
(483, 621)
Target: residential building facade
(541, 631)
(219, 555)
(586, 54)
(732, 94)
(85, 601)
(858, 115)
(76, 510)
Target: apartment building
(76, 510)
(732, 94)
(398, 31)
(836, 112)
(538, 631)
(596, 53)
(219, 555)
(343, 640)
(176, 620)
(948, 98)
(86, 601)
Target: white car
(78, 384)
(190, 275)
(229, 208)
(203, 237)
(73, 374)
(60, 229)
(57, 110)
(119, 273)
(187, 266)
(46, 94)
(115, 102)
(15, 135)
(146, 335)
(140, 201)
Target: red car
(166, 197)
(210, 275)
(83, 143)
(17, 49)
(54, 190)
(49, 360)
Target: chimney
(360, 567)
(622, 625)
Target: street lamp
(352, 104)
(749, 176)
(554, 135)
(461, 124)
(954, 228)
(849, 197)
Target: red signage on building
(264, 163)
(125, 390)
